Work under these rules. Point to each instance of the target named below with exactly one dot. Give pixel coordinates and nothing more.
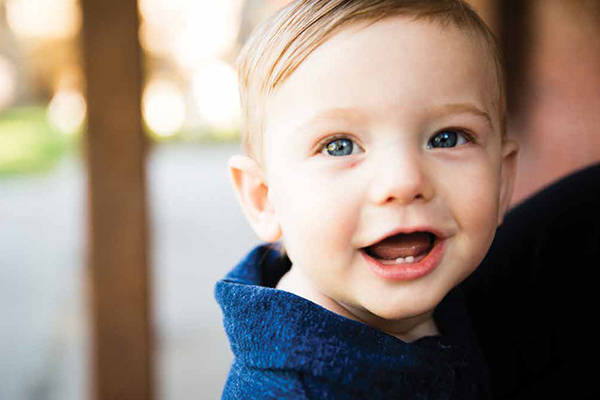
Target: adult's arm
(534, 299)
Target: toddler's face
(387, 132)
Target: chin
(397, 312)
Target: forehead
(395, 62)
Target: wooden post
(515, 38)
(116, 147)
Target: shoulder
(246, 383)
(249, 383)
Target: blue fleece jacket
(287, 347)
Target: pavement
(197, 234)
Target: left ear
(510, 150)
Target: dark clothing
(287, 347)
(533, 300)
(531, 305)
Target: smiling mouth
(403, 248)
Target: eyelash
(322, 144)
(468, 136)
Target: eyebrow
(327, 115)
(357, 115)
(462, 108)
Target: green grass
(28, 143)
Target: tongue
(402, 245)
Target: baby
(377, 156)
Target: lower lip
(408, 271)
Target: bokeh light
(163, 13)
(156, 41)
(210, 31)
(7, 83)
(163, 107)
(67, 111)
(189, 31)
(44, 19)
(215, 90)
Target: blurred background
(190, 112)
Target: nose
(401, 177)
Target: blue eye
(341, 147)
(447, 139)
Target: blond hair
(278, 46)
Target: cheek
(471, 194)
(314, 213)
(478, 201)
(479, 215)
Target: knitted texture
(287, 347)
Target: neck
(406, 329)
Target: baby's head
(377, 152)
(284, 41)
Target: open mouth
(403, 248)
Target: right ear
(252, 191)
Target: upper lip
(437, 233)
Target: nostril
(401, 186)
(404, 199)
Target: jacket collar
(291, 333)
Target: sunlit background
(191, 116)
(190, 90)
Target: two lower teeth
(400, 260)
